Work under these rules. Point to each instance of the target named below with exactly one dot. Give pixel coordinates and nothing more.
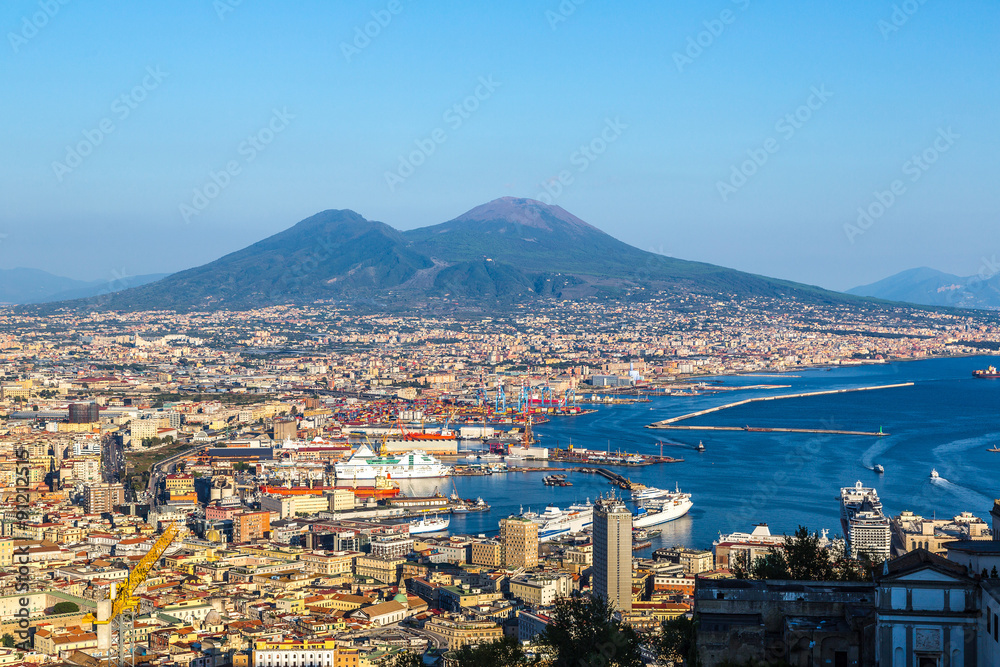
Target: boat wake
(970, 497)
(869, 456)
(948, 450)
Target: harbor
(784, 477)
(672, 421)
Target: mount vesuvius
(508, 250)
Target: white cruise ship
(554, 522)
(365, 465)
(865, 527)
(661, 509)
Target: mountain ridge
(925, 286)
(505, 251)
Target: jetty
(672, 423)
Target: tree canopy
(506, 652)
(677, 641)
(585, 633)
(65, 608)
(802, 558)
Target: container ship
(554, 522)
(364, 464)
(989, 373)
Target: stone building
(799, 622)
(928, 612)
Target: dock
(752, 429)
(671, 423)
(613, 477)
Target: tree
(585, 633)
(506, 652)
(677, 641)
(8, 640)
(801, 558)
(404, 659)
(65, 608)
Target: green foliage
(506, 652)
(802, 559)
(677, 641)
(8, 640)
(65, 608)
(585, 633)
(403, 659)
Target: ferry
(432, 525)
(554, 522)
(364, 464)
(648, 493)
(661, 510)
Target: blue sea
(945, 421)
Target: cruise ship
(668, 507)
(866, 528)
(364, 464)
(554, 522)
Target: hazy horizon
(288, 111)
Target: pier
(671, 423)
(616, 479)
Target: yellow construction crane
(123, 607)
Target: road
(162, 468)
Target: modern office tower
(612, 579)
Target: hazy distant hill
(504, 251)
(929, 287)
(21, 286)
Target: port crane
(121, 651)
(501, 398)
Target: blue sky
(294, 113)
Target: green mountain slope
(507, 250)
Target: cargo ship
(989, 373)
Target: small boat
(701, 446)
(994, 448)
(879, 469)
(934, 474)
